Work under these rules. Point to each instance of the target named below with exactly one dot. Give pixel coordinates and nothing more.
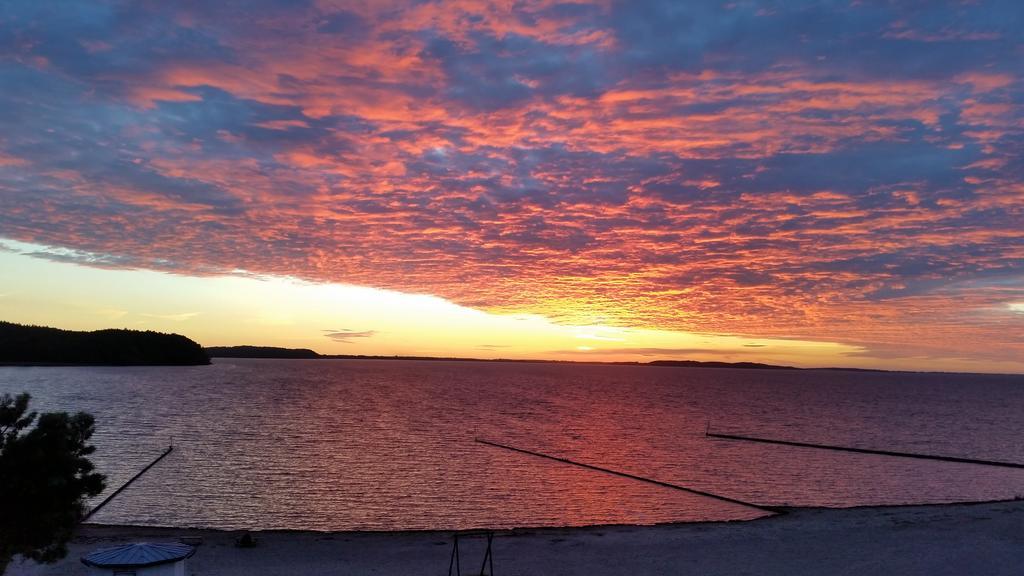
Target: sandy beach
(951, 539)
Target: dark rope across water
(128, 483)
(633, 477)
(865, 450)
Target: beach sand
(950, 539)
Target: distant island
(713, 364)
(39, 345)
(261, 352)
(274, 352)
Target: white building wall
(162, 570)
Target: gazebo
(140, 559)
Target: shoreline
(949, 538)
(652, 363)
(779, 512)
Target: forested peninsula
(40, 345)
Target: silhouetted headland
(711, 364)
(39, 345)
(260, 352)
(273, 352)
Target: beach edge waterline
(918, 539)
(783, 511)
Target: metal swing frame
(455, 562)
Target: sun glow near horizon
(331, 318)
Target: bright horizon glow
(225, 310)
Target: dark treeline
(307, 354)
(713, 364)
(21, 344)
(260, 352)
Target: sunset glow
(814, 185)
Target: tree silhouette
(41, 345)
(45, 477)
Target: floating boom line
(760, 507)
(127, 484)
(866, 450)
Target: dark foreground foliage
(45, 477)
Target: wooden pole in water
(865, 450)
(635, 477)
(128, 483)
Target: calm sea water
(389, 445)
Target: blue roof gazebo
(141, 558)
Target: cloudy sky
(804, 182)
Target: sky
(808, 183)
